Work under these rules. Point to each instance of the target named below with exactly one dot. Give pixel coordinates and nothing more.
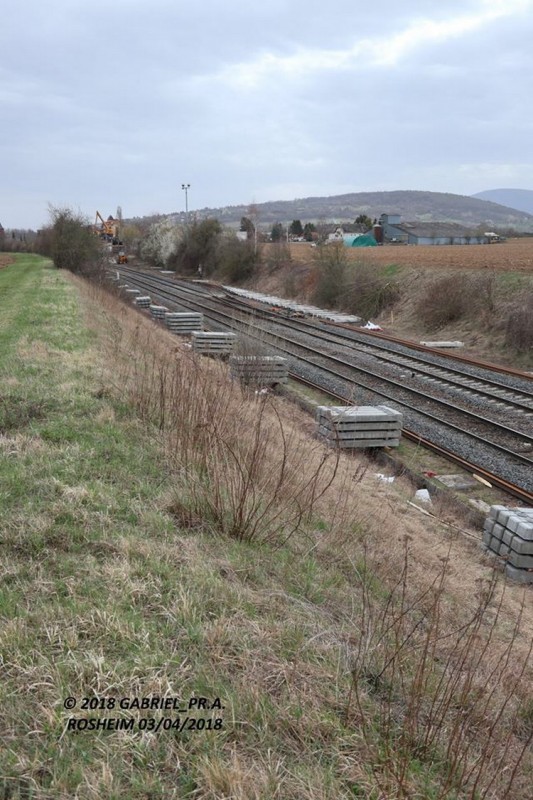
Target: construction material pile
(359, 426)
(143, 301)
(184, 322)
(213, 343)
(158, 312)
(259, 370)
(508, 532)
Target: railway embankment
(167, 535)
(481, 295)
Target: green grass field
(104, 597)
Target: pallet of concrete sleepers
(259, 370)
(213, 343)
(158, 312)
(508, 532)
(143, 301)
(133, 292)
(184, 322)
(359, 426)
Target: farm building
(396, 231)
(352, 236)
(359, 240)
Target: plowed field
(515, 255)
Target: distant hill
(412, 205)
(521, 199)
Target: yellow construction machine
(107, 229)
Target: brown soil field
(514, 255)
(5, 260)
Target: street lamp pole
(186, 187)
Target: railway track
(512, 398)
(337, 363)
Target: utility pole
(186, 187)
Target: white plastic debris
(422, 495)
(384, 478)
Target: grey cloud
(118, 104)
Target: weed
(435, 705)
(446, 300)
(519, 324)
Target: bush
(237, 260)
(369, 291)
(278, 256)
(447, 300)
(332, 264)
(519, 326)
(425, 691)
(72, 245)
(198, 248)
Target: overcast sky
(119, 103)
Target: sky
(121, 104)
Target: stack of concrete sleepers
(133, 291)
(158, 312)
(184, 322)
(259, 370)
(213, 343)
(359, 426)
(508, 532)
(143, 301)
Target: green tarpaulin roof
(360, 240)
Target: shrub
(198, 248)
(278, 256)
(519, 325)
(447, 300)
(426, 692)
(72, 244)
(369, 290)
(332, 264)
(237, 260)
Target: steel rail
(230, 322)
(352, 367)
(430, 370)
(421, 366)
(494, 480)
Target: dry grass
(497, 278)
(463, 655)
(519, 324)
(108, 594)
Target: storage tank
(377, 231)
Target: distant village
(389, 229)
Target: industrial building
(390, 229)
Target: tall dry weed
(237, 468)
(519, 325)
(429, 692)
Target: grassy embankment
(481, 295)
(146, 508)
